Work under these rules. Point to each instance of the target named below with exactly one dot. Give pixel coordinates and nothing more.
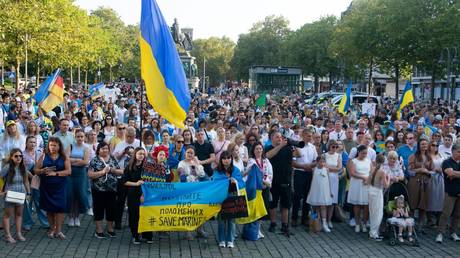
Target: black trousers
(120, 203)
(133, 215)
(302, 183)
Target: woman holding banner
(226, 170)
(258, 159)
(132, 180)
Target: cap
(438, 117)
(10, 122)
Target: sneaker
(357, 229)
(329, 224)
(222, 244)
(368, 225)
(90, 212)
(99, 235)
(230, 245)
(455, 237)
(261, 235)
(77, 222)
(149, 241)
(71, 222)
(111, 234)
(439, 238)
(364, 229)
(352, 222)
(136, 241)
(326, 228)
(272, 227)
(377, 238)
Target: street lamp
(449, 55)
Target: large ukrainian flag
(406, 98)
(51, 92)
(161, 68)
(346, 100)
(253, 192)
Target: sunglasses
(121, 128)
(225, 158)
(434, 145)
(17, 156)
(180, 141)
(334, 147)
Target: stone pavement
(342, 242)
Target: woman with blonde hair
(33, 130)
(243, 150)
(11, 139)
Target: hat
(387, 122)
(10, 122)
(438, 117)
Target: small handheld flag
(406, 98)
(161, 68)
(346, 99)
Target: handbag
(15, 197)
(314, 223)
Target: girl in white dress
(359, 169)
(334, 166)
(320, 192)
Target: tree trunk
(433, 81)
(18, 65)
(397, 81)
(3, 74)
(86, 79)
(71, 77)
(110, 72)
(37, 80)
(79, 78)
(317, 84)
(369, 82)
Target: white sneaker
(352, 222)
(439, 238)
(90, 212)
(329, 224)
(71, 222)
(455, 237)
(357, 229)
(230, 245)
(77, 222)
(261, 235)
(222, 244)
(326, 228)
(368, 225)
(364, 228)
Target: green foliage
(218, 53)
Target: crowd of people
(91, 155)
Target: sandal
(21, 238)
(10, 240)
(60, 235)
(400, 239)
(50, 234)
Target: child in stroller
(401, 218)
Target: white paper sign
(369, 108)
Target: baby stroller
(396, 189)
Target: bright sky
(224, 17)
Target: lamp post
(449, 55)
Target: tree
(308, 47)
(218, 53)
(261, 46)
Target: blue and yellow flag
(253, 191)
(346, 99)
(406, 98)
(51, 92)
(180, 206)
(161, 69)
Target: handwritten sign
(234, 207)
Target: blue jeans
(27, 220)
(226, 230)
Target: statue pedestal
(190, 68)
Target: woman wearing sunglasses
(17, 181)
(334, 166)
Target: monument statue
(182, 39)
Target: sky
(224, 17)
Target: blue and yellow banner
(180, 206)
(255, 201)
(161, 69)
(406, 98)
(346, 100)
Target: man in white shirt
(319, 128)
(338, 133)
(121, 151)
(445, 149)
(371, 154)
(362, 127)
(303, 162)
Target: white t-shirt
(308, 154)
(334, 135)
(371, 154)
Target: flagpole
(141, 109)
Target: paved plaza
(342, 242)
